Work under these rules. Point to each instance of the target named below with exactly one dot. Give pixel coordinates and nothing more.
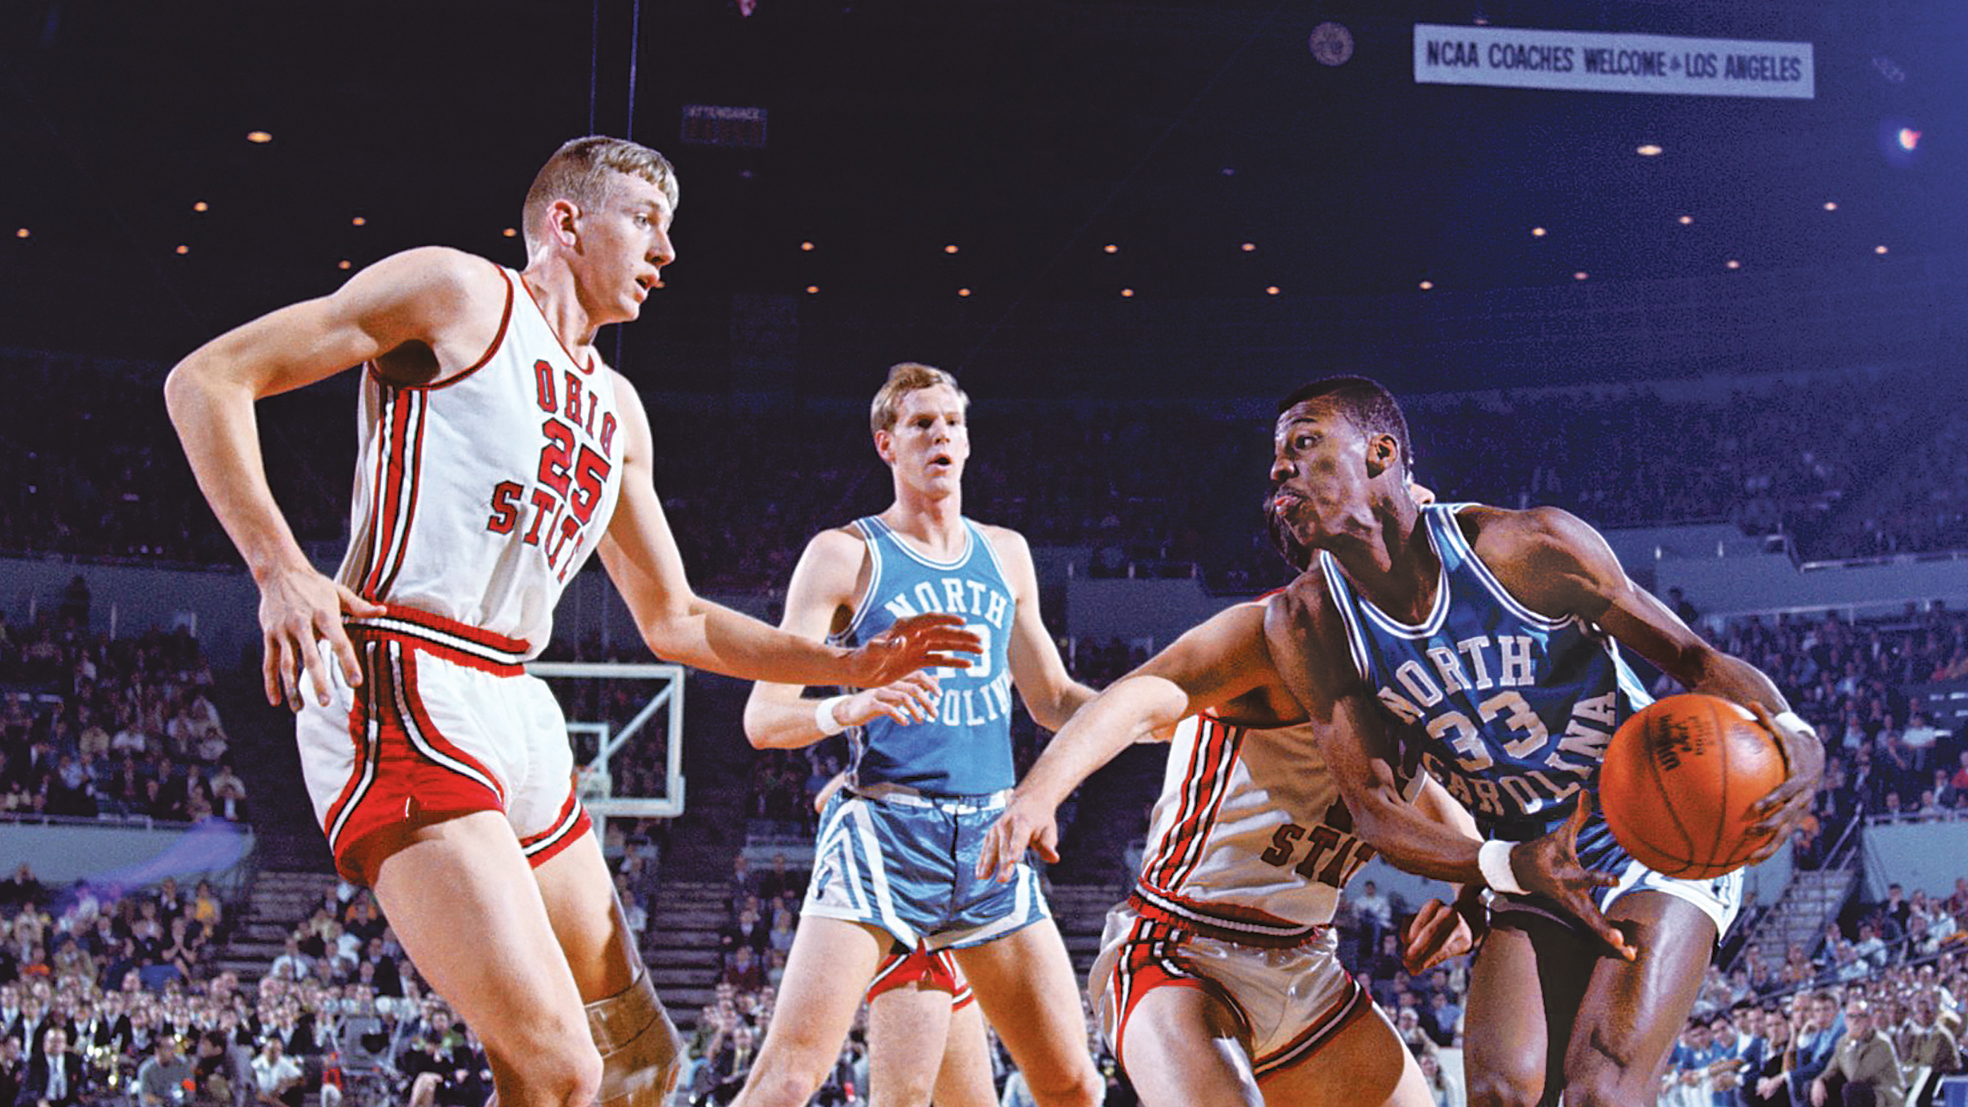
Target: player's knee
(1502, 1088)
(1079, 1086)
(1598, 1085)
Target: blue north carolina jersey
(1509, 709)
(966, 750)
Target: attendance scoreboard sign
(1586, 61)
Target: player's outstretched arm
(641, 556)
(1050, 693)
(777, 716)
(1210, 664)
(1559, 564)
(1311, 658)
(408, 297)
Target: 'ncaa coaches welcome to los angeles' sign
(1587, 61)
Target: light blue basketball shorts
(905, 862)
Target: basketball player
(897, 845)
(1481, 644)
(1218, 980)
(497, 453)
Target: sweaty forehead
(940, 397)
(1317, 413)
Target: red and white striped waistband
(446, 638)
(1152, 904)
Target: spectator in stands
(1817, 1024)
(277, 1078)
(1763, 1083)
(1926, 1041)
(1865, 1070)
(161, 1079)
(780, 881)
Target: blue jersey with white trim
(966, 749)
(1509, 709)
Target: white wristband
(1796, 723)
(1494, 859)
(824, 718)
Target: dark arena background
(1698, 274)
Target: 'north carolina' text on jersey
(966, 749)
(1509, 709)
(477, 497)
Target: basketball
(1679, 780)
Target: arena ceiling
(1029, 135)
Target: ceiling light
(812, 289)
(201, 206)
(1647, 150)
(342, 264)
(1127, 293)
(1538, 232)
(1427, 285)
(23, 233)
(1270, 290)
(1831, 205)
(1111, 248)
(1732, 263)
(259, 137)
(358, 221)
(1685, 220)
(182, 249)
(509, 232)
(950, 249)
(963, 291)
(1580, 275)
(806, 246)
(1879, 249)
(1249, 246)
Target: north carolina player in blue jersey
(895, 858)
(1480, 643)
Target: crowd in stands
(1876, 1015)
(94, 727)
(1142, 487)
(119, 990)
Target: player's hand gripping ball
(1680, 780)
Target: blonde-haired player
(497, 453)
(930, 767)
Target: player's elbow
(184, 387)
(758, 728)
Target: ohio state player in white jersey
(1217, 980)
(498, 452)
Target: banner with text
(1587, 61)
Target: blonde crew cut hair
(581, 169)
(904, 378)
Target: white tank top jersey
(478, 496)
(1249, 841)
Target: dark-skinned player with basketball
(1483, 645)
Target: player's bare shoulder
(456, 306)
(833, 572)
(1010, 546)
(1545, 556)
